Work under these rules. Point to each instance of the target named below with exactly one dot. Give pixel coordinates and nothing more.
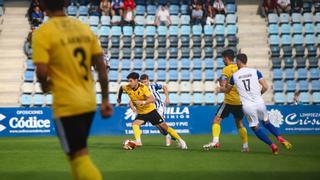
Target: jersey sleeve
(124, 88)
(40, 47)
(224, 74)
(259, 75)
(231, 82)
(95, 47)
(158, 86)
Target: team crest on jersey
(275, 117)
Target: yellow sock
(243, 134)
(137, 132)
(173, 133)
(83, 169)
(216, 132)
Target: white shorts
(161, 110)
(254, 113)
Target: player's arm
(166, 93)
(42, 75)
(120, 91)
(132, 107)
(226, 88)
(150, 99)
(263, 83)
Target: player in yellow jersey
(143, 101)
(231, 105)
(64, 50)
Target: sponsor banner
(184, 119)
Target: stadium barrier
(298, 119)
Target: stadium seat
(285, 29)
(173, 64)
(196, 35)
(197, 52)
(137, 64)
(197, 63)
(185, 99)
(301, 62)
(296, 29)
(316, 98)
(302, 74)
(149, 64)
(83, 11)
(105, 20)
(291, 86)
(279, 98)
(174, 99)
(303, 86)
(72, 10)
(185, 52)
(84, 19)
(278, 86)
(198, 98)
(126, 53)
(276, 62)
(208, 35)
(208, 52)
(185, 63)
(304, 98)
(286, 40)
(173, 86)
(307, 18)
(290, 96)
(113, 87)
(317, 18)
(29, 76)
(174, 10)
(126, 64)
(138, 52)
(287, 51)
(310, 40)
(220, 98)
(184, 75)
(94, 20)
(277, 74)
(115, 52)
(313, 62)
(113, 98)
(94, 29)
(309, 28)
(299, 51)
(162, 64)
(185, 86)
(184, 9)
(173, 75)
(185, 20)
(273, 18)
(275, 51)
(274, 40)
(197, 86)
(315, 85)
(48, 100)
(220, 40)
(139, 20)
(273, 29)
(26, 100)
(219, 30)
(151, 74)
(318, 29)
(27, 88)
(209, 98)
(209, 75)
(209, 86)
(231, 30)
(38, 100)
(196, 75)
(125, 99)
(231, 8)
(151, 9)
(150, 52)
(288, 62)
(284, 18)
(312, 51)
(220, 63)
(231, 19)
(140, 10)
(296, 18)
(113, 75)
(314, 73)
(307, 5)
(219, 19)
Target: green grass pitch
(41, 158)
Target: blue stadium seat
(175, 20)
(297, 29)
(286, 40)
(317, 17)
(296, 18)
(113, 98)
(198, 98)
(297, 40)
(196, 35)
(161, 74)
(231, 30)
(83, 11)
(209, 63)
(301, 62)
(126, 53)
(140, 2)
(312, 51)
(94, 20)
(310, 40)
(287, 51)
(127, 30)
(174, 99)
(184, 75)
(162, 64)
(140, 10)
(285, 29)
(290, 96)
(115, 52)
(315, 85)
(220, 41)
(48, 100)
(305, 98)
(273, 29)
(313, 62)
(125, 99)
(208, 52)
(150, 31)
(279, 98)
(299, 51)
(277, 74)
(84, 19)
(308, 28)
(275, 51)
(278, 86)
(174, 9)
(273, 18)
(25, 100)
(284, 18)
(151, 9)
(231, 8)
(38, 100)
(291, 86)
(307, 18)
(185, 98)
(220, 98)
(149, 64)
(209, 98)
(219, 19)
(220, 63)
(185, 63)
(173, 31)
(29, 76)
(124, 74)
(126, 64)
(104, 31)
(303, 86)
(302, 74)
(276, 62)
(116, 31)
(185, 52)
(105, 20)
(209, 75)
(318, 30)
(208, 35)
(316, 98)
(173, 52)
(137, 64)
(150, 52)
(307, 5)
(150, 73)
(314, 73)
(196, 52)
(94, 29)
(288, 63)
(184, 9)
(72, 10)
(30, 66)
(197, 75)
(162, 30)
(197, 63)
(173, 64)
(113, 75)
(114, 64)
(162, 52)
(231, 19)
(185, 30)
(219, 30)
(274, 40)
(289, 74)
(139, 33)
(139, 20)
(173, 75)
(185, 20)
(138, 52)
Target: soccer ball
(129, 144)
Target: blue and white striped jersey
(154, 89)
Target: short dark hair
(144, 77)
(53, 5)
(228, 53)
(242, 58)
(133, 75)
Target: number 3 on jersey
(80, 51)
(246, 83)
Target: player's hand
(218, 89)
(140, 103)
(134, 110)
(167, 101)
(106, 109)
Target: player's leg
(136, 129)
(73, 133)
(174, 134)
(168, 138)
(222, 112)
(238, 115)
(252, 117)
(263, 114)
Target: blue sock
(271, 128)
(262, 136)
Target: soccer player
(64, 49)
(231, 105)
(160, 105)
(251, 85)
(143, 101)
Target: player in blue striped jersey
(160, 105)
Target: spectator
(83, 2)
(218, 7)
(316, 5)
(207, 8)
(129, 11)
(296, 5)
(162, 16)
(117, 7)
(269, 6)
(37, 16)
(94, 10)
(27, 46)
(296, 98)
(210, 18)
(283, 6)
(105, 7)
(197, 15)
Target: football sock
(244, 136)
(173, 133)
(83, 168)
(137, 132)
(216, 132)
(271, 128)
(262, 136)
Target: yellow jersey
(66, 45)
(141, 94)
(232, 97)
